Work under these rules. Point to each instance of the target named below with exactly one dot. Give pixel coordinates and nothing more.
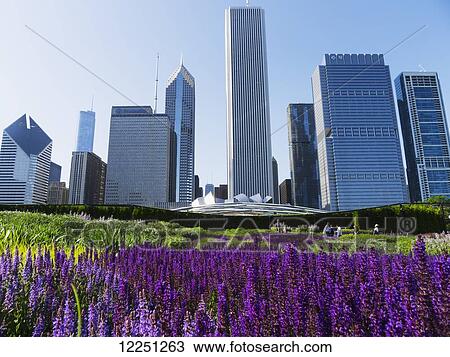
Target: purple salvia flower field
(162, 292)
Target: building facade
(249, 151)
(425, 134)
(276, 189)
(138, 157)
(25, 157)
(86, 131)
(197, 189)
(180, 107)
(87, 179)
(286, 192)
(360, 162)
(209, 188)
(221, 192)
(303, 155)
(55, 172)
(58, 193)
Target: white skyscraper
(248, 116)
(25, 158)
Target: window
(431, 139)
(427, 104)
(423, 92)
(438, 175)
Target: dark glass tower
(425, 134)
(303, 155)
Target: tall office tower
(221, 192)
(286, 192)
(55, 172)
(197, 189)
(248, 118)
(425, 134)
(303, 155)
(360, 162)
(180, 107)
(58, 193)
(138, 157)
(87, 179)
(86, 130)
(276, 189)
(25, 157)
(209, 188)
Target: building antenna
(92, 103)
(156, 83)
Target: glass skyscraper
(25, 157)
(303, 155)
(248, 118)
(425, 134)
(360, 162)
(86, 130)
(180, 107)
(138, 157)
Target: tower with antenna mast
(155, 109)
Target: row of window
(364, 131)
(368, 177)
(437, 162)
(358, 92)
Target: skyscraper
(86, 130)
(25, 157)
(248, 118)
(55, 172)
(276, 189)
(425, 134)
(138, 157)
(197, 189)
(87, 179)
(360, 162)
(286, 192)
(180, 107)
(303, 155)
(209, 188)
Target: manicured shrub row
(425, 218)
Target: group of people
(331, 231)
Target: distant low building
(209, 188)
(221, 192)
(58, 193)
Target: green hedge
(427, 218)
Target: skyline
(55, 89)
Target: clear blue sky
(119, 40)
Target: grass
(23, 230)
